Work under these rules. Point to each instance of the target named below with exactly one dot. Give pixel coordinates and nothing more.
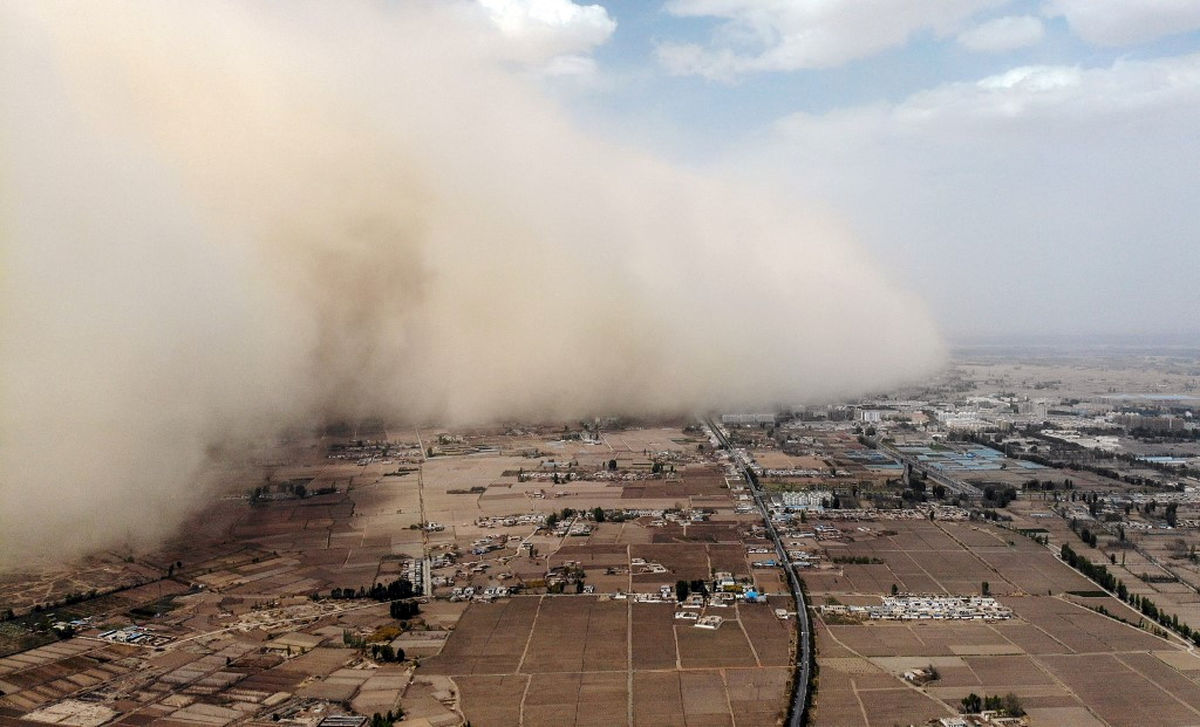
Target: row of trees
(1095, 572)
(1099, 574)
(1068, 456)
(596, 513)
(1047, 485)
(1009, 704)
(399, 588)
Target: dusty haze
(221, 219)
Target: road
(797, 709)
(957, 487)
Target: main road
(797, 710)
(956, 486)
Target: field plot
(653, 637)
(700, 648)
(577, 635)
(578, 655)
(493, 699)
(685, 561)
(490, 639)
(1057, 654)
(769, 637)
(592, 698)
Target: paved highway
(957, 487)
(796, 711)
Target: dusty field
(1057, 654)
(489, 639)
(576, 653)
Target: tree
(895, 589)
(598, 514)
(985, 588)
(972, 704)
(403, 610)
(681, 590)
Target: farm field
(574, 660)
(1057, 654)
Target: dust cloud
(222, 219)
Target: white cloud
(570, 67)
(784, 35)
(1074, 185)
(539, 31)
(1126, 22)
(1002, 34)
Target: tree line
(1099, 574)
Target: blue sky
(1028, 166)
(629, 80)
